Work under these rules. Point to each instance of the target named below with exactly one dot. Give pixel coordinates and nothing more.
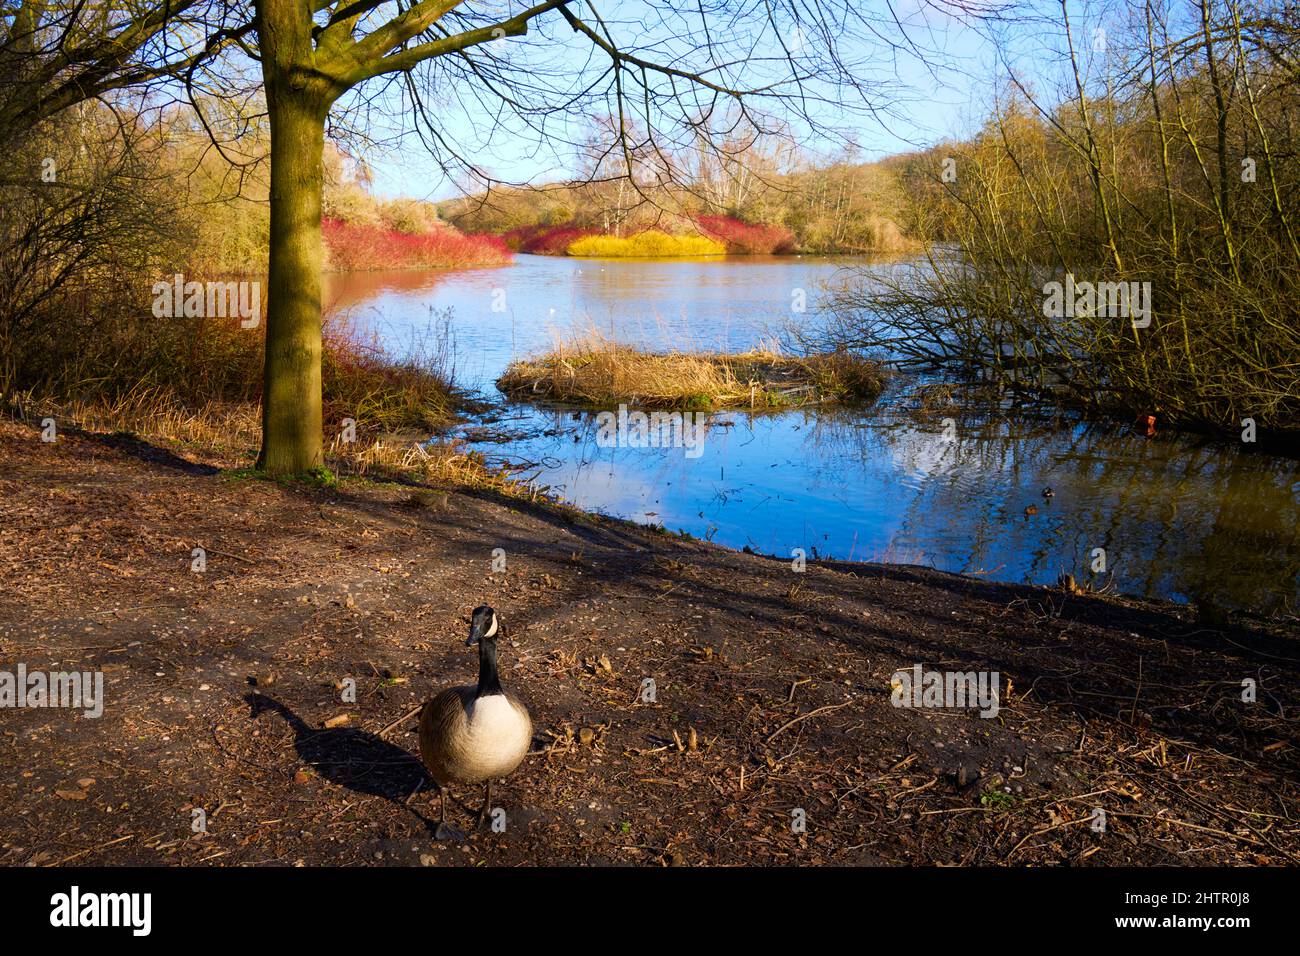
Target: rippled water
(1175, 517)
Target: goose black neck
(489, 681)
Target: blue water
(1174, 518)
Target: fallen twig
(812, 713)
(405, 717)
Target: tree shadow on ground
(142, 450)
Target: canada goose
(474, 734)
(1048, 492)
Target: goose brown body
(466, 738)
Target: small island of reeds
(593, 371)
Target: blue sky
(945, 94)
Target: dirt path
(772, 689)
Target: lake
(1176, 517)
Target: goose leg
(444, 832)
(487, 804)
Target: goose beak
(477, 631)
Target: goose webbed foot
(487, 804)
(445, 833)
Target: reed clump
(595, 371)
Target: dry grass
(592, 370)
(193, 386)
(442, 463)
(228, 432)
(228, 435)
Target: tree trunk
(291, 392)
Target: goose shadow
(362, 762)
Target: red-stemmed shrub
(351, 247)
(743, 238)
(546, 240)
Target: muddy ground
(772, 689)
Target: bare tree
(55, 54)
(674, 78)
(664, 72)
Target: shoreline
(773, 687)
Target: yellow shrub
(646, 245)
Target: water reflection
(1174, 519)
(366, 291)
